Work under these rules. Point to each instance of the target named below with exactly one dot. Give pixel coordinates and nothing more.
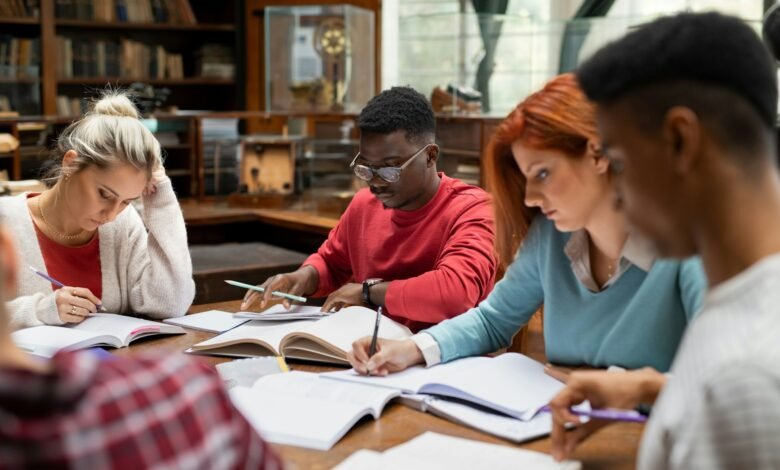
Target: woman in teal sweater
(607, 300)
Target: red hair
(557, 117)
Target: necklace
(59, 234)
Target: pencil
(372, 348)
(59, 284)
(285, 295)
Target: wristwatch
(367, 290)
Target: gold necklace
(51, 227)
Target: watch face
(373, 280)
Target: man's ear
(595, 153)
(8, 263)
(432, 155)
(682, 134)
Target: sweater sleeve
(492, 324)
(693, 285)
(33, 310)
(463, 274)
(159, 265)
(332, 259)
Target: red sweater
(439, 258)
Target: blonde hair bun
(117, 104)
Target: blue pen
(611, 414)
(58, 283)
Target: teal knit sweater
(637, 321)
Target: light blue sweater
(638, 321)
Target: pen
(611, 414)
(59, 284)
(261, 289)
(372, 348)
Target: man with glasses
(416, 242)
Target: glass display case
(319, 58)
(325, 182)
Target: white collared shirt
(637, 251)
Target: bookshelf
(56, 53)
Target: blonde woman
(81, 232)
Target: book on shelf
(20, 8)
(125, 11)
(114, 59)
(19, 57)
(102, 329)
(326, 340)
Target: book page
(300, 409)
(510, 383)
(269, 333)
(124, 327)
(47, 340)
(347, 325)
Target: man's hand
(346, 295)
(625, 390)
(302, 282)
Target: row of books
(20, 8)
(131, 11)
(126, 59)
(19, 57)
(69, 107)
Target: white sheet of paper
(214, 321)
(433, 451)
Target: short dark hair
(396, 109)
(712, 63)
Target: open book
(102, 329)
(434, 451)
(326, 340)
(510, 383)
(301, 409)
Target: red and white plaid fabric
(136, 413)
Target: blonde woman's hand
(74, 304)
(158, 176)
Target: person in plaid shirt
(81, 411)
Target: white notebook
(103, 329)
(498, 425)
(325, 340)
(213, 321)
(279, 313)
(433, 451)
(301, 409)
(510, 383)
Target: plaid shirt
(136, 413)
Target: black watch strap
(367, 291)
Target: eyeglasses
(390, 174)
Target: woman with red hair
(607, 300)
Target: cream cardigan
(149, 273)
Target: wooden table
(614, 447)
